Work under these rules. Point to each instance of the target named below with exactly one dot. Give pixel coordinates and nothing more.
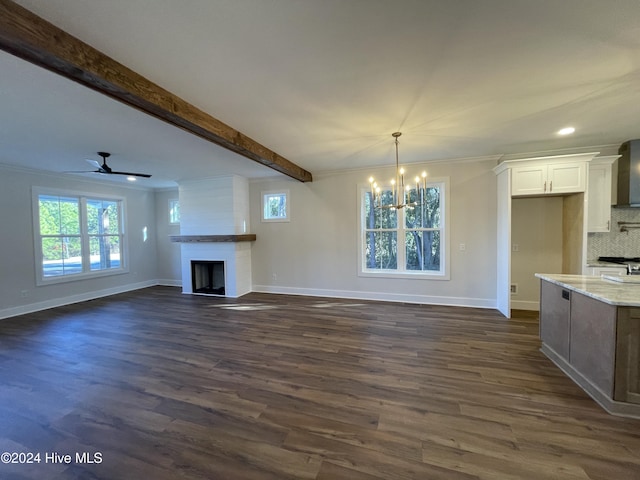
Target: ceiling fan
(106, 169)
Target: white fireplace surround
(216, 206)
(237, 264)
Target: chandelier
(401, 193)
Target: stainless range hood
(629, 174)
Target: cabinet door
(528, 180)
(555, 309)
(627, 380)
(593, 341)
(566, 177)
(599, 198)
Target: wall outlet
(515, 247)
(463, 247)
(24, 293)
(514, 289)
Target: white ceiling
(324, 83)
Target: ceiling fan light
(131, 178)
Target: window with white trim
(275, 206)
(77, 236)
(408, 241)
(174, 211)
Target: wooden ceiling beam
(25, 35)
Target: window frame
(85, 236)
(171, 203)
(401, 271)
(287, 196)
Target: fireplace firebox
(207, 277)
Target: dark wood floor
(160, 385)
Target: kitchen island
(590, 328)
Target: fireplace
(207, 277)
(214, 226)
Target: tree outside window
(60, 235)
(408, 240)
(174, 211)
(275, 206)
(77, 235)
(422, 232)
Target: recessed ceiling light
(566, 131)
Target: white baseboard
(82, 297)
(525, 305)
(386, 297)
(354, 295)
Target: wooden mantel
(249, 237)
(25, 35)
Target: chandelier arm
(400, 196)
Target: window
(275, 206)
(410, 241)
(174, 211)
(77, 236)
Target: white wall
(168, 261)
(18, 290)
(316, 253)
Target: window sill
(275, 220)
(431, 275)
(42, 281)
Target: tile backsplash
(616, 243)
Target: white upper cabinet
(553, 175)
(599, 194)
(551, 178)
(567, 177)
(529, 180)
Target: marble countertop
(607, 291)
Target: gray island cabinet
(590, 328)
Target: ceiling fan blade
(144, 175)
(95, 163)
(105, 169)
